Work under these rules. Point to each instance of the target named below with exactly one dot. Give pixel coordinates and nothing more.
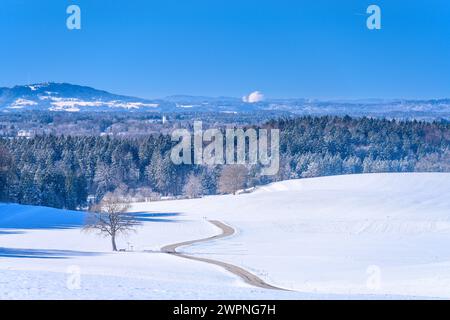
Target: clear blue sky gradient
(313, 49)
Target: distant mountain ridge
(67, 97)
(51, 96)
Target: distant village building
(164, 120)
(91, 199)
(25, 134)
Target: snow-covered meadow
(355, 236)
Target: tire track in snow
(245, 275)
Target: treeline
(62, 171)
(321, 146)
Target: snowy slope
(43, 249)
(337, 234)
(378, 235)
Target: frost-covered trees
(232, 178)
(61, 171)
(5, 172)
(193, 187)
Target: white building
(25, 134)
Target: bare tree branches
(232, 178)
(110, 217)
(193, 187)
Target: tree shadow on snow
(42, 253)
(2, 232)
(156, 217)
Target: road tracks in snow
(245, 275)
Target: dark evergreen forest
(66, 171)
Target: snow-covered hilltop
(366, 236)
(67, 97)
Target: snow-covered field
(356, 236)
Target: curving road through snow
(248, 277)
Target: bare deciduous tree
(193, 187)
(110, 217)
(232, 178)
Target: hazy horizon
(235, 97)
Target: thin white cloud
(253, 97)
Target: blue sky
(313, 49)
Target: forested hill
(331, 145)
(61, 171)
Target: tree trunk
(113, 241)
